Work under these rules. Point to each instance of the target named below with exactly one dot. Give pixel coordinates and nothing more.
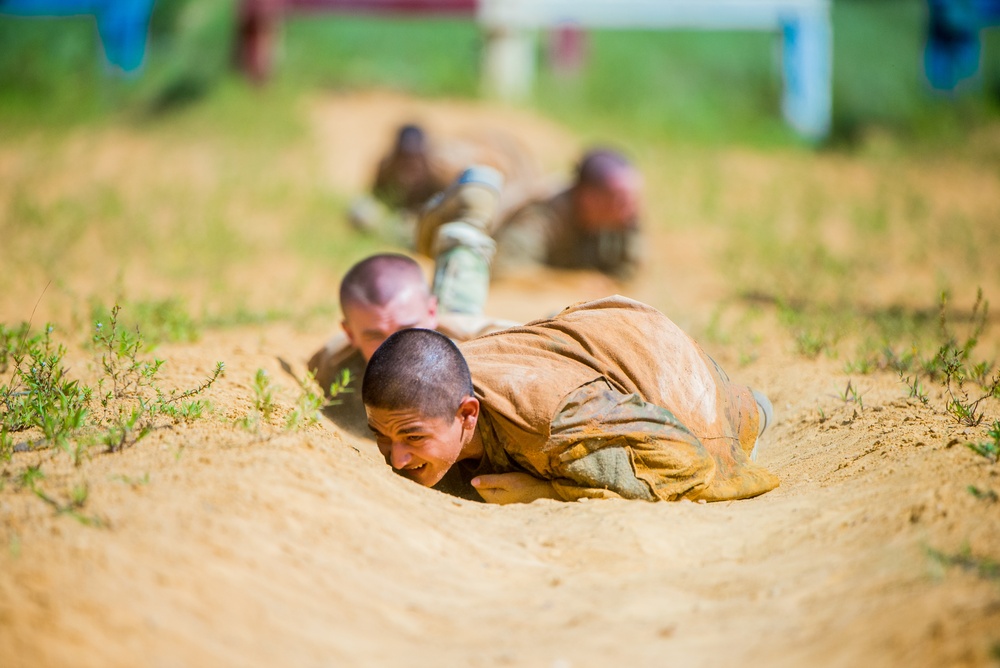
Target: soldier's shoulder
(462, 327)
(335, 352)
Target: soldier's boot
(456, 229)
(462, 258)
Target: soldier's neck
(473, 449)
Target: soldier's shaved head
(598, 167)
(405, 178)
(417, 369)
(607, 193)
(378, 279)
(410, 140)
(381, 295)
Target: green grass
(43, 405)
(432, 57)
(691, 86)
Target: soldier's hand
(504, 488)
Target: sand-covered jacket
(330, 363)
(611, 399)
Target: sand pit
(222, 547)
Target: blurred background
(145, 154)
(701, 86)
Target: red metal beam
(412, 7)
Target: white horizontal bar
(643, 14)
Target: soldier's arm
(504, 488)
(620, 252)
(524, 240)
(604, 443)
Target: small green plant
(814, 333)
(312, 400)
(809, 343)
(339, 386)
(983, 567)
(128, 392)
(967, 383)
(134, 482)
(57, 411)
(309, 404)
(6, 444)
(989, 449)
(263, 402)
(306, 411)
(30, 476)
(78, 495)
(953, 366)
(40, 395)
(983, 494)
(851, 395)
(863, 365)
(263, 394)
(9, 343)
(917, 390)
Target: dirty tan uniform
(330, 361)
(611, 399)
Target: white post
(508, 63)
(508, 68)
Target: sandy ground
(219, 548)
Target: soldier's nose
(400, 457)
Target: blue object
(807, 64)
(122, 25)
(483, 175)
(953, 49)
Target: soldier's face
(612, 207)
(422, 448)
(367, 326)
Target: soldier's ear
(468, 412)
(350, 334)
(432, 309)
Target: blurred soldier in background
(417, 167)
(473, 228)
(406, 177)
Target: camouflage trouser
(455, 228)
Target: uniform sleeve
(619, 252)
(524, 240)
(605, 444)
